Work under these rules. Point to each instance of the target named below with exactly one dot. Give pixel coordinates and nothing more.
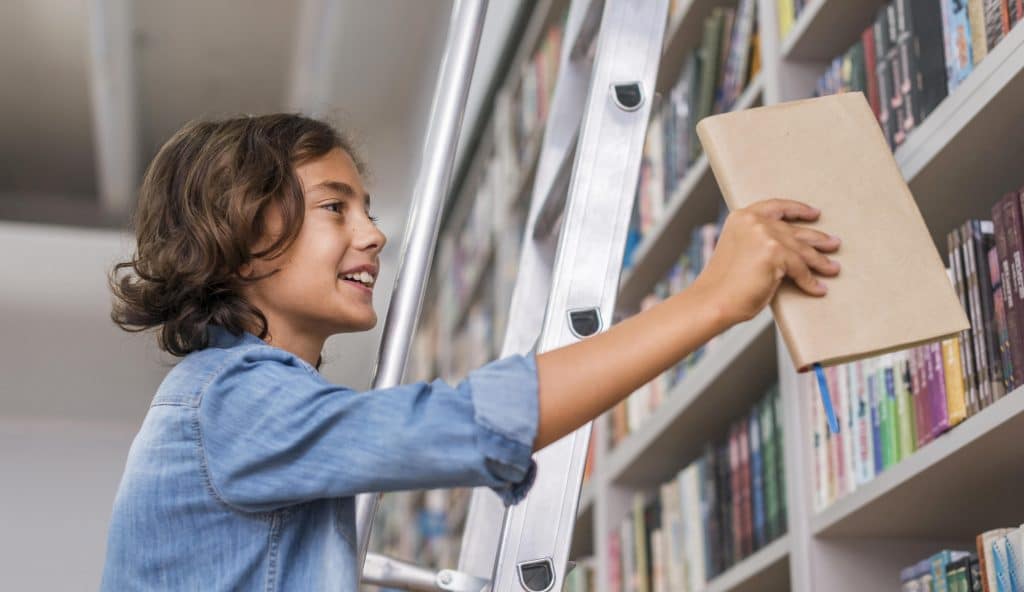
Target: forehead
(326, 172)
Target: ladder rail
(432, 186)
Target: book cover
(899, 295)
(984, 547)
(672, 532)
(694, 516)
(709, 510)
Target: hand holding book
(758, 248)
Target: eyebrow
(342, 188)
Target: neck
(303, 344)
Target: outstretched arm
(758, 248)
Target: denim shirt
(243, 473)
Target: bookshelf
(958, 162)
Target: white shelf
(696, 201)
(699, 408)
(827, 28)
(766, 570)
(968, 152)
(963, 483)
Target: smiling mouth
(363, 279)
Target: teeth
(363, 277)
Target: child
(255, 244)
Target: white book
(695, 552)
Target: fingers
(798, 270)
(786, 209)
(821, 241)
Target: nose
(368, 237)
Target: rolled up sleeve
(274, 433)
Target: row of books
(711, 80)
(789, 12)
(996, 564)
(914, 54)
(582, 578)
(948, 571)
(628, 415)
(717, 511)
(890, 406)
(532, 98)
(423, 527)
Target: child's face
(310, 295)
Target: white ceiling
(193, 58)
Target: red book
(871, 67)
(736, 485)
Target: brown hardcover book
(1006, 219)
(829, 152)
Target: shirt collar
(222, 338)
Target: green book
(890, 403)
(768, 453)
(710, 57)
(904, 407)
(885, 419)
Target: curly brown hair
(201, 210)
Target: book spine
(884, 418)
(838, 461)
(846, 426)
(929, 394)
(1014, 224)
(747, 499)
(890, 401)
(939, 402)
(959, 40)
(757, 479)
(993, 22)
(923, 427)
(908, 434)
(770, 483)
(930, 83)
(979, 41)
(886, 118)
(870, 62)
(1003, 225)
(875, 397)
(780, 458)
(710, 499)
(983, 244)
(955, 402)
(1000, 320)
(977, 319)
(966, 344)
(867, 457)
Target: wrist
(710, 307)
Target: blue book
(957, 34)
(876, 421)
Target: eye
(373, 219)
(334, 206)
